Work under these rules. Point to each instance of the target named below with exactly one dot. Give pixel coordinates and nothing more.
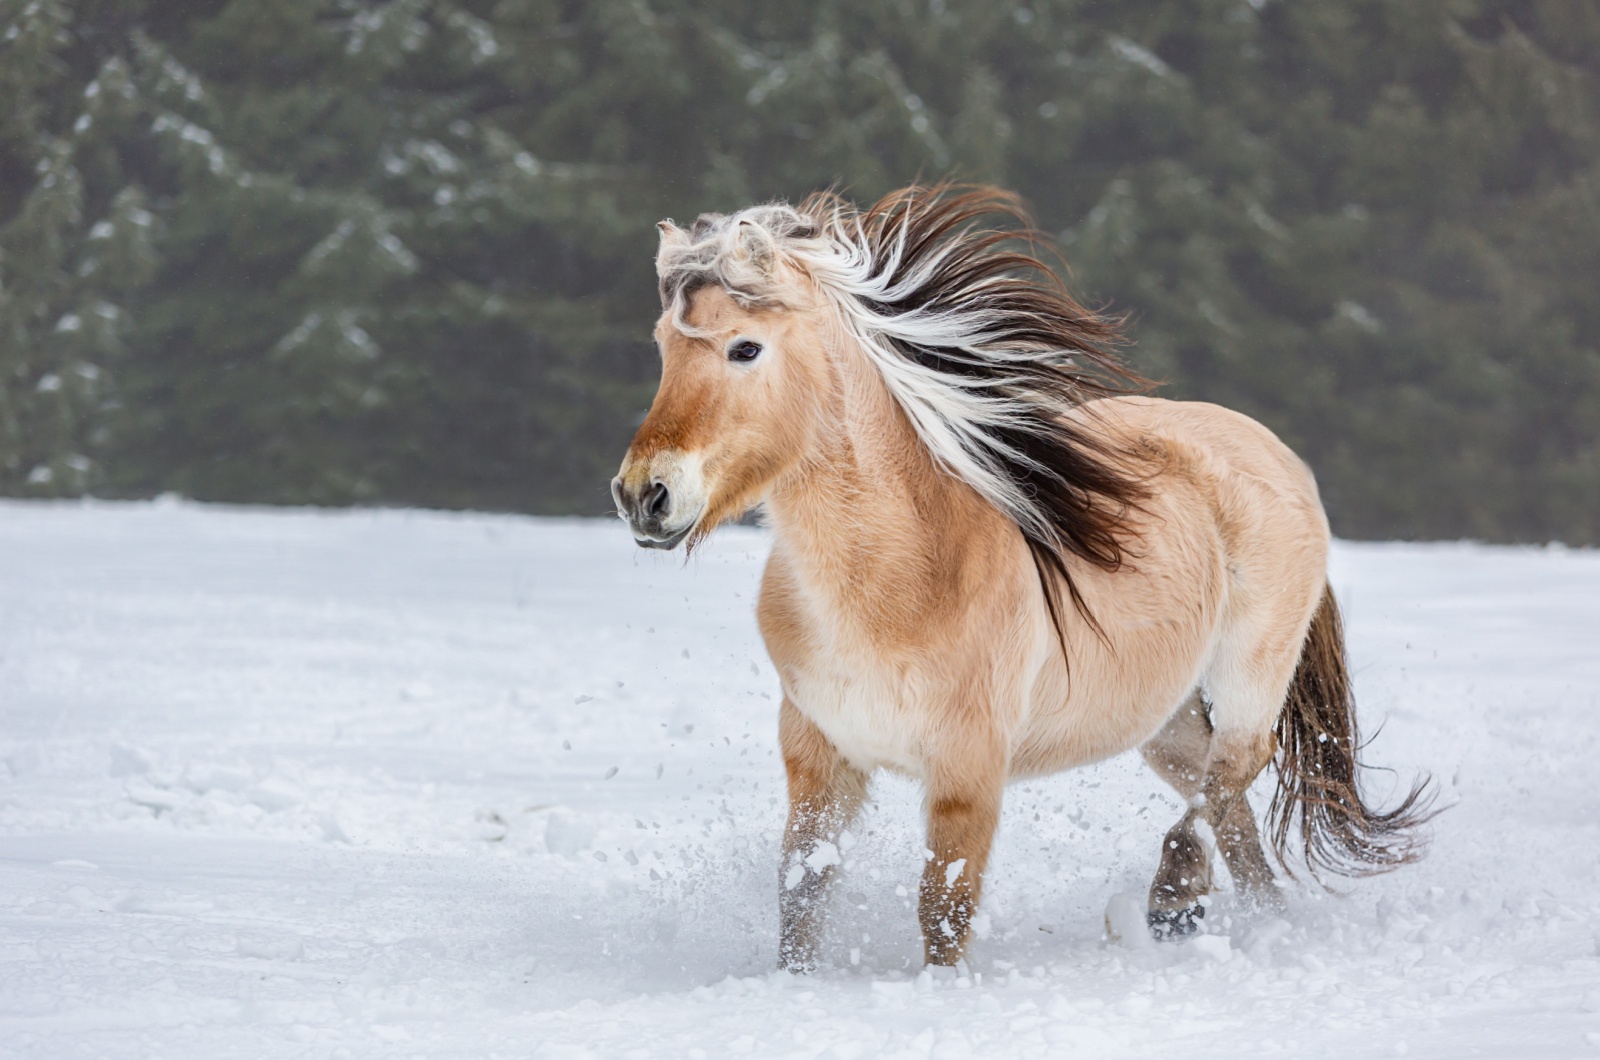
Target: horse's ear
(754, 244)
(670, 233)
(672, 237)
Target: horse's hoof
(800, 962)
(1169, 924)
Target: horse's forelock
(740, 252)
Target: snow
(304, 783)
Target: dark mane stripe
(1041, 349)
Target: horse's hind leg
(1181, 754)
(1240, 843)
(1181, 751)
(1212, 771)
(1236, 760)
(825, 793)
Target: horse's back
(1261, 496)
(1245, 461)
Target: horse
(994, 555)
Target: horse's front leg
(825, 792)
(965, 785)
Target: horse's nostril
(655, 500)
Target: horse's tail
(1319, 770)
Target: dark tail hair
(1319, 770)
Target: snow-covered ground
(279, 783)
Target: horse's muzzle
(649, 512)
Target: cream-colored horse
(988, 562)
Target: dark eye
(744, 351)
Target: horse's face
(737, 407)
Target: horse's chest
(869, 712)
(875, 705)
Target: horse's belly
(865, 716)
(1075, 734)
(1112, 701)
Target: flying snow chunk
(1125, 921)
(825, 855)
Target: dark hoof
(797, 965)
(1166, 925)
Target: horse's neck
(871, 521)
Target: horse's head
(742, 371)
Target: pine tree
(76, 240)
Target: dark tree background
(337, 251)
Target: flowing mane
(976, 338)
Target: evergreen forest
(400, 251)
